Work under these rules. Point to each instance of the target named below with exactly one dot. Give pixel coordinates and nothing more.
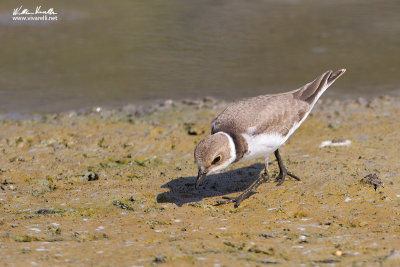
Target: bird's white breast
(262, 145)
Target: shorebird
(256, 127)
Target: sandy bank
(110, 187)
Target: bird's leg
(248, 192)
(265, 173)
(282, 170)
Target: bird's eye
(218, 158)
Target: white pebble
(100, 228)
(348, 199)
(330, 143)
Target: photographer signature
(25, 11)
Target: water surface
(113, 53)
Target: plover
(256, 127)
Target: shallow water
(108, 53)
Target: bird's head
(214, 153)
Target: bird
(256, 127)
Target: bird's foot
(237, 200)
(246, 194)
(282, 174)
(282, 170)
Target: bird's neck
(232, 147)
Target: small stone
(121, 205)
(160, 259)
(334, 125)
(90, 176)
(362, 101)
(338, 253)
(348, 199)
(372, 179)
(209, 99)
(167, 103)
(46, 211)
(191, 102)
(190, 128)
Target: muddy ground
(116, 187)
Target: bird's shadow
(182, 190)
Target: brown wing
(270, 113)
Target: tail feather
(313, 90)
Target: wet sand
(116, 188)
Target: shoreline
(134, 110)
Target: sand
(116, 188)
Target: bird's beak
(200, 177)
